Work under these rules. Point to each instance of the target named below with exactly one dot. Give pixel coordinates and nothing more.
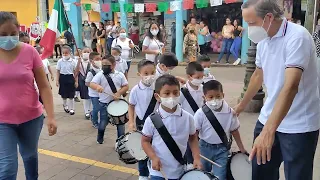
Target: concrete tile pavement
(77, 138)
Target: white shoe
(143, 178)
(237, 62)
(189, 167)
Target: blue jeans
(109, 43)
(217, 153)
(159, 178)
(96, 108)
(128, 64)
(235, 47)
(25, 135)
(226, 45)
(295, 150)
(104, 121)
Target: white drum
(118, 112)
(196, 174)
(129, 148)
(240, 166)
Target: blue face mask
(8, 42)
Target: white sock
(87, 105)
(71, 104)
(77, 94)
(64, 102)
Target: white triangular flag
(216, 2)
(175, 5)
(138, 7)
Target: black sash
(217, 126)
(190, 99)
(166, 137)
(111, 83)
(150, 109)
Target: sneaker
(76, 99)
(217, 62)
(237, 62)
(143, 178)
(71, 112)
(95, 126)
(66, 109)
(99, 142)
(189, 167)
(87, 116)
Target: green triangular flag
(87, 7)
(202, 3)
(128, 8)
(115, 7)
(163, 6)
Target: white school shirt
(291, 47)
(228, 121)
(66, 66)
(83, 67)
(209, 77)
(46, 64)
(140, 97)
(121, 65)
(197, 96)
(118, 79)
(180, 125)
(152, 44)
(125, 52)
(92, 93)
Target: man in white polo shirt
(288, 126)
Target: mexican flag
(57, 24)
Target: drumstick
(163, 174)
(210, 161)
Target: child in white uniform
(65, 79)
(205, 62)
(193, 87)
(211, 145)
(84, 68)
(180, 125)
(121, 64)
(140, 98)
(100, 84)
(95, 60)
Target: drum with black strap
(239, 167)
(196, 174)
(129, 148)
(118, 112)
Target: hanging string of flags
(167, 7)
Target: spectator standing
(227, 33)
(190, 45)
(87, 35)
(173, 36)
(236, 45)
(203, 31)
(152, 44)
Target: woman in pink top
(21, 114)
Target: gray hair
(264, 7)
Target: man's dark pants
(295, 150)
(173, 46)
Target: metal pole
(179, 33)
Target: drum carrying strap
(190, 99)
(111, 83)
(150, 109)
(217, 126)
(166, 137)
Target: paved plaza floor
(74, 154)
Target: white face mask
(98, 64)
(197, 82)
(123, 35)
(215, 104)
(170, 102)
(206, 71)
(258, 33)
(117, 58)
(66, 57)
(154, 32)
(85, 56)
(148, 80)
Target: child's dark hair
(7, 16)
(168, 59)
(110, 58)
(93, 54)
(212, 85)
(144, 62)
(194, 67)
(203, 58)
(166, 79)
(23, 34)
